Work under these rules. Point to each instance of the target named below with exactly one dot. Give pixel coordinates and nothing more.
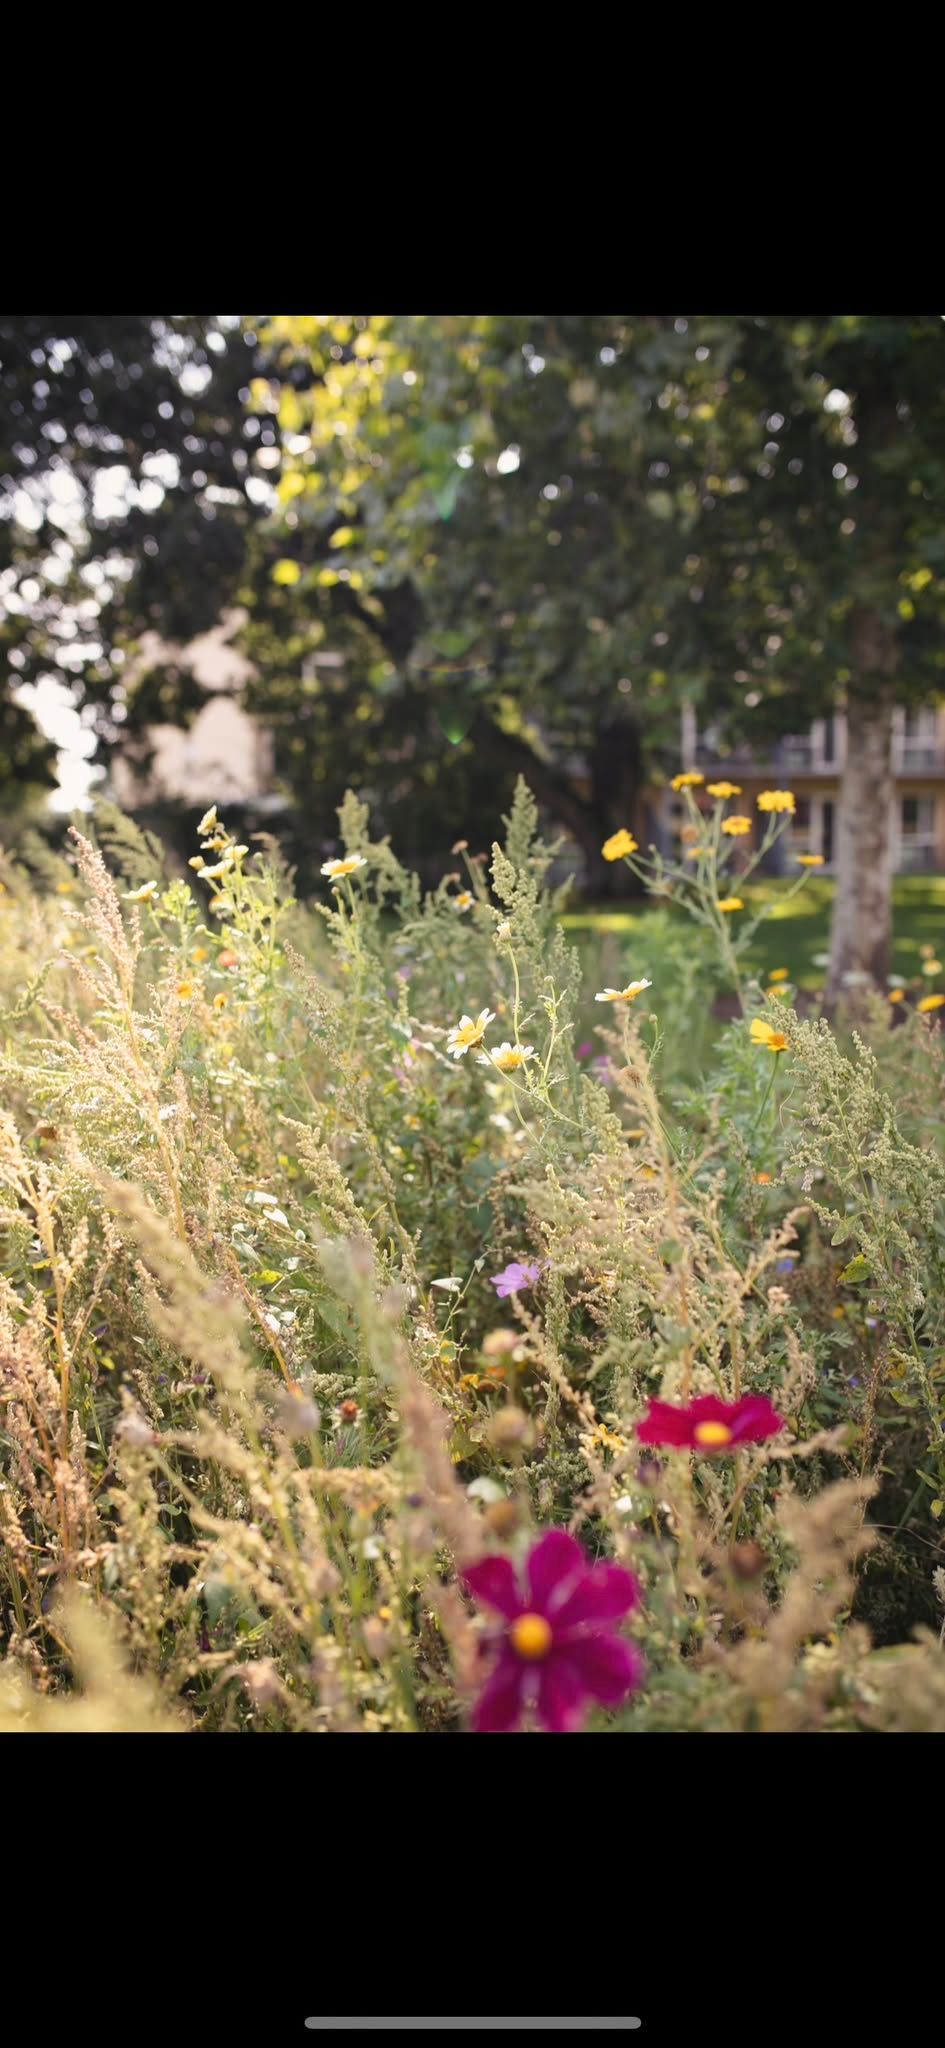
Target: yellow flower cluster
(619, 845)
(690, 780)
(777, 800)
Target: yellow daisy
(897, 995)
(623, 995)
(207, 822)
(147, 891)
(464, 901)
(723, 790)
(927, 1003)
(469, 1031)
(736, 827)
(779, 974)
(185, 990)
(690, 780)
(618, 844)
(776, 800)
(762, 1034)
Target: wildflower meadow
(388, 1349)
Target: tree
(599, 518)
(468, 504)
(127, 492)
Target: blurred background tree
(127, 495)
(470, 546)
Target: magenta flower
(708, 1424)
(558, 1650)
(515, 1279)
(584, 1051)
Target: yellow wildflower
(897, 995)
(693, 852)
(780, 991)
(931, 967)
(730, 903)
(763, 1179)
(736, 827)
(690, 780)
(464, 901)
(207, 822)
(618, 844)
(723, 790)
(779, 974)
(762, 1034)
(506, 1057)
(213, 874)
(623, 995)
(927, 1003)
(185, 990)
(219, 1002)
(200, 954)
(809, 860)
(142, 895)
(467, 1032)
(334, 868)
(776, 800)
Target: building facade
(811, 765)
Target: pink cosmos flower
(710, 1425)
(557, 1650)
(515, 1279)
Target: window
(918, 817)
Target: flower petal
(664, 1424)
(755, 1419)
(499, 1705)
(606, 1666)
(606, 1593)
(555, 1564)
(561, 1696)
(492, 1581)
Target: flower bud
(502, 1517)
(747, 1560)
(509, 1427)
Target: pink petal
(755, 1419)
(499, 1705)
(709, 1408)
(607, 1667)
(606, 1593)
(561, 1695)
(492, 1581)
(554, 1566)
(664, 1424)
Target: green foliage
(261, 1399)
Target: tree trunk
(862, 911)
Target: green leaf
(856, 1270)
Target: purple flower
(558, 1649)
(603, 1067)
(584, 1051)
(785, 1265)
(515, 1279)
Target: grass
(795, 935)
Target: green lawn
(797, 932)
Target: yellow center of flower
(531, 1636)
(712, 1433)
